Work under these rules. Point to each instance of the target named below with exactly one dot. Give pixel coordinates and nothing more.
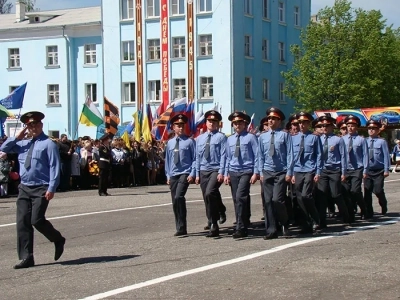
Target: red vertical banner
(164, 54)
(190, 49)
(139, 55)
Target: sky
(390, 9)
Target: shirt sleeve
(254, 147)
(343, 156)
(386, 156)
(289, 159)
(318, 150)
(198, 158)
(54, 166)
(223, 156)
(228, 157)
(167, 163)
(11, 145)
(365, 155)
(261, 158)
(193, 149)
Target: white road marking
(115, 210)
(231, 261)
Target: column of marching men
(303, 174)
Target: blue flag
(15, 99)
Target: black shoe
(107, 194)
(285, 231)
(239, 234)
(207, 227)
(180, 233)
(25, 263)
(222, 218)
(214, 231)
(59, 248)
(306, 230)
(384, 210)
(102, 194)
(263, 219)
(270, 236)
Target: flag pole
(79, 121)
(15, 129)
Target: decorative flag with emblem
(90, 115)
(111, 116)
(15, 99)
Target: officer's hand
(168, 181)
(253, 179)
(220, 178)
(261, 179)
(197, 180)
(293, 180)
(316, 178)
(365, 176)
(227, 180)
(22, 133)
(386, 174)
(190, 179)
(49, 195)
(288, 178)
(343, 178)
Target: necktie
(371, 150)
(237, 149)
(28, 158)
(207, 150)
(350, 144)
(272, 144)
(176, 152)
(326, 148)
(302, 147)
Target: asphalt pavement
(122, 247)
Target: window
(13, 58)
(154, 91)
(281, 93)
(177, 7)
(128, 92)
(265, 89)
(153, 8)
(265, 49)
(296, 16)
(178, 47)
(91, 91)
(179, 88)
(154, 49)
(90, 54)
(247, 87)
(52, 55)
(128, 51)
(128, 9)
(265, 9)
(247, 45)
(206, 87)
(205, 45)
(205, 6)
(53, 94)
(54, 133)
(247, 7)
(13, 88)
(281, 12)
(281, 46)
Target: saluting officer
(180, 162)
(334, 170)
(241, 169)
(276, 165)
(379, 164)
(210, 169)
(357, 165)
(307, 151)
(104, 163)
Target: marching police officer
(180, 163)
(241, 169)
(104, 163)
(379, 164)
(307, 151)
(276, 165)
(210, 169)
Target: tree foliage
(5, 7)
(348, 59)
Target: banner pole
(15, 129)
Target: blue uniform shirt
(45, 163)
(337, 155)
(282, 159)
(381, 157)
(358, 156)
(217, 158)
(311, 159)
(187, 157)
(248, 156)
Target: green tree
(348, 59)
(5, 7)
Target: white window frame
(179, 88)
(247, 7)
(152, 9)
(91, 91)
(53, 94)
(265, 49)
(281, 48)
(90, 54)
(154, 91)
(265, 9)
(206, 87)
(153, 49)
(281, 93)
(179, 47)
(129, 92)
(177, 7)
(130, 47)
(297, 16)
(248, 88)
(281, 12)
(265, 89)
(204, 6)
(205, 45)
(247, 46)
(127, 9)
(14, 58)
(52, 56)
